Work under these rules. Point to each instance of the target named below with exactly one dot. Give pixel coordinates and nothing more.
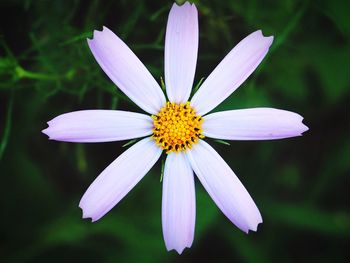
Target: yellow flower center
(177, 127)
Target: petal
(253, 124)
(232, 71)
(99, 126)
(181, 47)
(224, 187)
(126, 70)
(119, 178)
(178, 203)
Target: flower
(177, 126)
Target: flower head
(177, 127)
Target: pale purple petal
(181, 47)
(126, 70)
(119, 178)
(232, 71)
(178, 203)
(253, 124)
(99, 126)
(224, 187)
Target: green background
(300, 184)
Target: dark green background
(301, 185)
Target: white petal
(119, 178)
(99, 126)
(232, 71)
(178, 203)
(126, 70)
(253, 124)
(224, 187)
(181, 47)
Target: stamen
(177, 127)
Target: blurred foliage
(300, 184)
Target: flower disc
(177, 127)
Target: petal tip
(186, 4)
(88, 211)
(106, 30)
(269, 39)
(94, 219)
(179, 250)
(253, 228)
(96, 33)
(46, 132)
(304, 129)
(86, 215)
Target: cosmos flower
(176, 126)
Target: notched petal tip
(179, 250)
(269, 39)
(91, 40)
(47, 131)
(260, 32)
(253, 228)
(86, 215)
(97, 32)
(304, 128)
(186, 4)
(179, 247)
(185, 7)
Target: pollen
(177, 127)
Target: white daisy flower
(176, 126)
